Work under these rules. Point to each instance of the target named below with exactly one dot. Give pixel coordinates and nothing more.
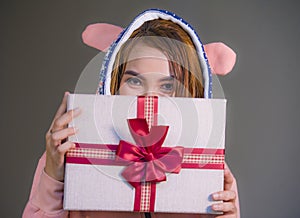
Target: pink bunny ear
(100, 35)
(220, 57)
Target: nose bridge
(151, 93)
(151, 88)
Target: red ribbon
(148, 161)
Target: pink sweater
(46, 201)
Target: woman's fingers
(64, 120)
(56, 148)
(61, 110)
(60, 135)
(224, 207)
(55, 160)
(63, 106)
(224, 196)
(228, 196)
(228, 206)
(63, 148)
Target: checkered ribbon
(147, 191)
(97, 154)
(147, 108)
(194, 158)
(92, 153)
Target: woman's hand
(228, 196)
(56, 144)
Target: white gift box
(194, 123)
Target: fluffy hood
(101, 35)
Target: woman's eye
(133, 81)
(168, 87)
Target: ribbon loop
(148, 161)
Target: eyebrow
(167, 78)
(133, 73)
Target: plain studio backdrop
(42, 55)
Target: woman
(158, 54)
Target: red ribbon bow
(148, 161)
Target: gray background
(42, 56)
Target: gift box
(147, 154)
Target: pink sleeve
(46, 196)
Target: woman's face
(147, 73)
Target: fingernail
(216, 207)
(216, 196)
(75, 129)
(76, 110)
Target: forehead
(141, 50)
(145, 59)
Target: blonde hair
(178, 47)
